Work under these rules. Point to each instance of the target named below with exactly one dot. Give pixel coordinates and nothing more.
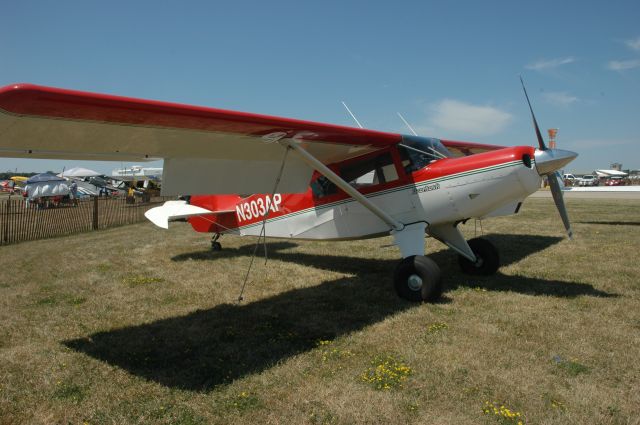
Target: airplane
(265, 176)
(15, 184)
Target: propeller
(548, 162)
(541, 144)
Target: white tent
(610, 173)
(79, 172)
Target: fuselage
(444, 190)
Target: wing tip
(19, 87)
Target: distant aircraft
(6, 186)
(295, 179)
(14, 184)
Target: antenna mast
(351, 113)
(407, 124)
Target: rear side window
(371, 171)
(375, 170)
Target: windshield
(418, 152)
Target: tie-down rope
(263, 233)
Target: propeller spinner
(548, 162)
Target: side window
(322, 187)
(413, 160)
(371, 171)
(418, 152)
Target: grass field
(137, 325)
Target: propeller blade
(556, 191)
(541, 144)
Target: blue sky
(451, 68)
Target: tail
(221, 215)
(210, 213)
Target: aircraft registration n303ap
(300, 179)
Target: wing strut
(338, 181)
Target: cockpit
(384, 166)
(418, 152)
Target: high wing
(205, 150)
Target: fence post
(6, 221)
(95, 213)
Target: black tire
(488, 258)
(418, 278)
(216, 246)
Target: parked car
(569, 179)
(616, 181)
(589, 180)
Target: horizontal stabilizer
(172, 210)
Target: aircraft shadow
(212, 347)
(208, 348)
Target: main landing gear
(418, 278)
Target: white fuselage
(471, 194)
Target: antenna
(407, 124)
(352, 116)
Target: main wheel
(418, 278)
(216, 246)
(488, 260)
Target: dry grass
(136, 325)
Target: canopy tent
(47, 188)
(44, 177)
(79, 172)
(46, 184)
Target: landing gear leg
(215, 245)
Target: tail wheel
(215, 245)
(418, 278)
(488, 260)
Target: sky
(450, 67)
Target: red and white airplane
(255, 175)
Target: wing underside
(205, 150)
(468, 148)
